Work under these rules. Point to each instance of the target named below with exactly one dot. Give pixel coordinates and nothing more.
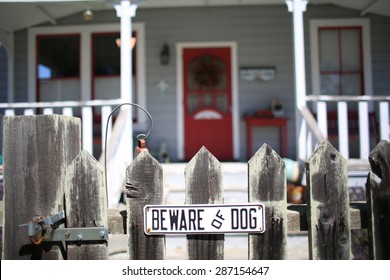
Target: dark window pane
(106, 54)
(58, 56)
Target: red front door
(207, 101)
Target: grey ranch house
(229, 75)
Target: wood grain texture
(267, 184)
(144, 186)
(328, 204)
(378, 201)
(86, 205)
(37, 150)
(203, 182)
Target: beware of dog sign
(204, 218)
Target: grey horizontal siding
(380, 47)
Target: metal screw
(102, 234)
(67, 234)
(79, 236)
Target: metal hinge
(45, 229)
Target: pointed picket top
(203, 172)
(264, 150)
(143, 169)
(267, 184)
(321, 155)
(328, 165)
(267, 169)
(144, 160)
(144, 186)
(328, 204)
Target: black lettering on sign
(217, 222)
(183, 222)
(200, 219)
(163, 211)
(174, 218)
(191, 219)
(253, 220)
(155, 215)
(234, 218)
(184, 219)
(219, 215)
(242, 218)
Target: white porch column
(126, 11)
(298, 7)
(122, 155)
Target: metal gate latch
(46, 229)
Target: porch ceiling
(17, 15)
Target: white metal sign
(204, 218)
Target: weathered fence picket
(84, 188)
(37, 150)
(45, 173)
(267, 184)
(378, 201)
(328, 204)
(203, 183)
(144, 186)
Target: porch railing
(343, 119)
(372, 113)
(91, 127)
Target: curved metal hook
(139, 136)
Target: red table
(252, 122)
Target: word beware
(204, 219)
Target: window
(58, 67)
(64, 64)
(106, 67)
(106, 55)
(60, 55)
(341, 57)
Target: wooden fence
(46, 172)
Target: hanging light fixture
(88, 15)
(164, 55)
(133, 40)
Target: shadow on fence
(45, 172)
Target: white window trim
(364, 23)
(179, 89)
(85, 32)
